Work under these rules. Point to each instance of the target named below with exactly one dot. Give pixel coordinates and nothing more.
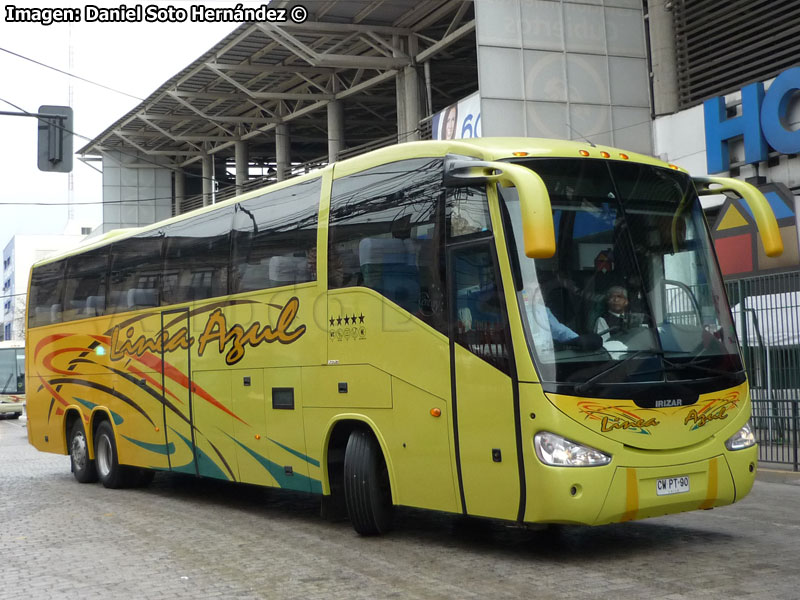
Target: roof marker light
(623, 156)
(583, 152)
(605, 154)
(519, 153)
(676, 167)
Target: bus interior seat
(389, 268)
(95, 305)
(253, 276)
(116, 301)
(286, 270)
(41, 315)
(142, 298)
(55, 313)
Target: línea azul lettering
(216, 330)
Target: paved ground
(187, 538)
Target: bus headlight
(744, 438)
(556, 451)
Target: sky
(134, 58)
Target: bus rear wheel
(112, 475)
(83, 468)
(366, 485)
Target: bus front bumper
(11, 407)
(640, 493)
(616, 493)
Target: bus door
(177, 392)
(482, 386)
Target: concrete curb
(778, 476)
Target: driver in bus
(615, 319)
(547, 329)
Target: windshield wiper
(692, 364)
(582, 387)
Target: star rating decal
(346, 327)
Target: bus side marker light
(258, 437)
(436, 412)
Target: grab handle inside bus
(537, 216)
(765, 219)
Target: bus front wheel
(83, 468)
(366, 485)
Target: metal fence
(766, 310)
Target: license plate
(672, 485)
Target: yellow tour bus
(522, 329)
(12, 378)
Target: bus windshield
(12, 370)
(633, 294)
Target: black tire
(111, 474)
(366, 485)
(83, 468)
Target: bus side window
(386, 233)
(47, 292)
(135, 265)
(280, 225)
(85, 293)
(196, 257)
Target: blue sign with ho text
(763, 122)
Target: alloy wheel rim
(104, 455)
(80, 455)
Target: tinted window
(85, 293)
(467, 213)
(386, 231)
(480, 324)
(47, 291)
(196, 257)
(135, 272)
(275, 238)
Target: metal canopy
(263, 74)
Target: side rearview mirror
(765, 219)
(537, 216)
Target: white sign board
(459, 120)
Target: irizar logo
(669, 402)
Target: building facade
(21, 252)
